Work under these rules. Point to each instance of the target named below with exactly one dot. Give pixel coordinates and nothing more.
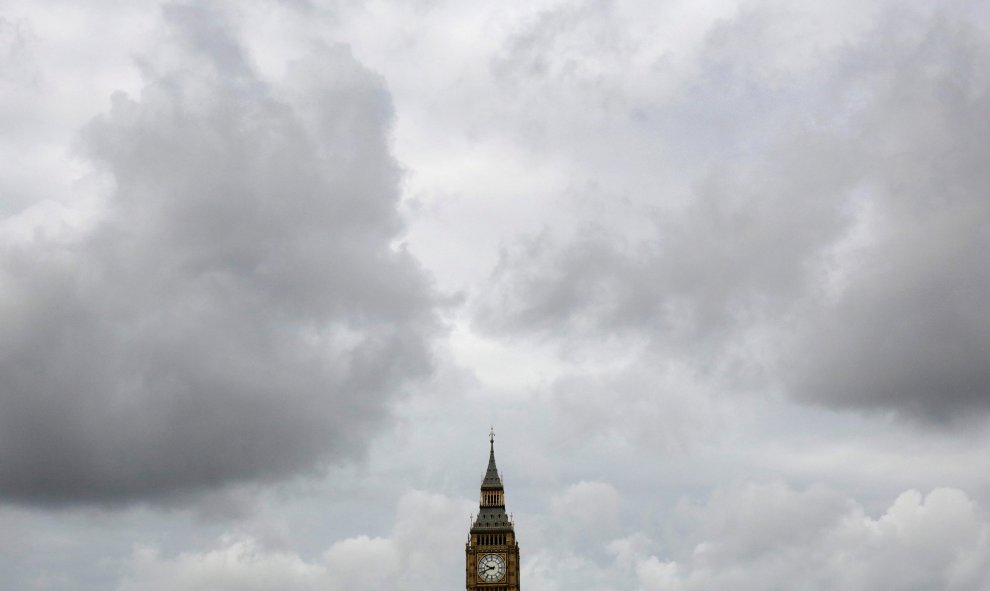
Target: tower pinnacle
(492, 479)
(492, 510)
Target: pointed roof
(492, 479)
(491, 518)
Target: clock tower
(492, 552)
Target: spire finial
(491, 437)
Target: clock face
(491, 568)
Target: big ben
(492, 552)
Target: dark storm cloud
(846, 234)
(238, 312)
(911, 331)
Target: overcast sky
(716, 271)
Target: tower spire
(492, 479)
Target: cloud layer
(817, 540)
(751, 536)
(236, 308)
(423, 547)
(679, 229)
(744, 536)
(831, 239)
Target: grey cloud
(843, 233)
(740, 247)
(910, 331)
(239, 311)
(661, 411)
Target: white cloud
(425, 549)
(758, 536)
(817, 540)
(237, 564)
(586, 510)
